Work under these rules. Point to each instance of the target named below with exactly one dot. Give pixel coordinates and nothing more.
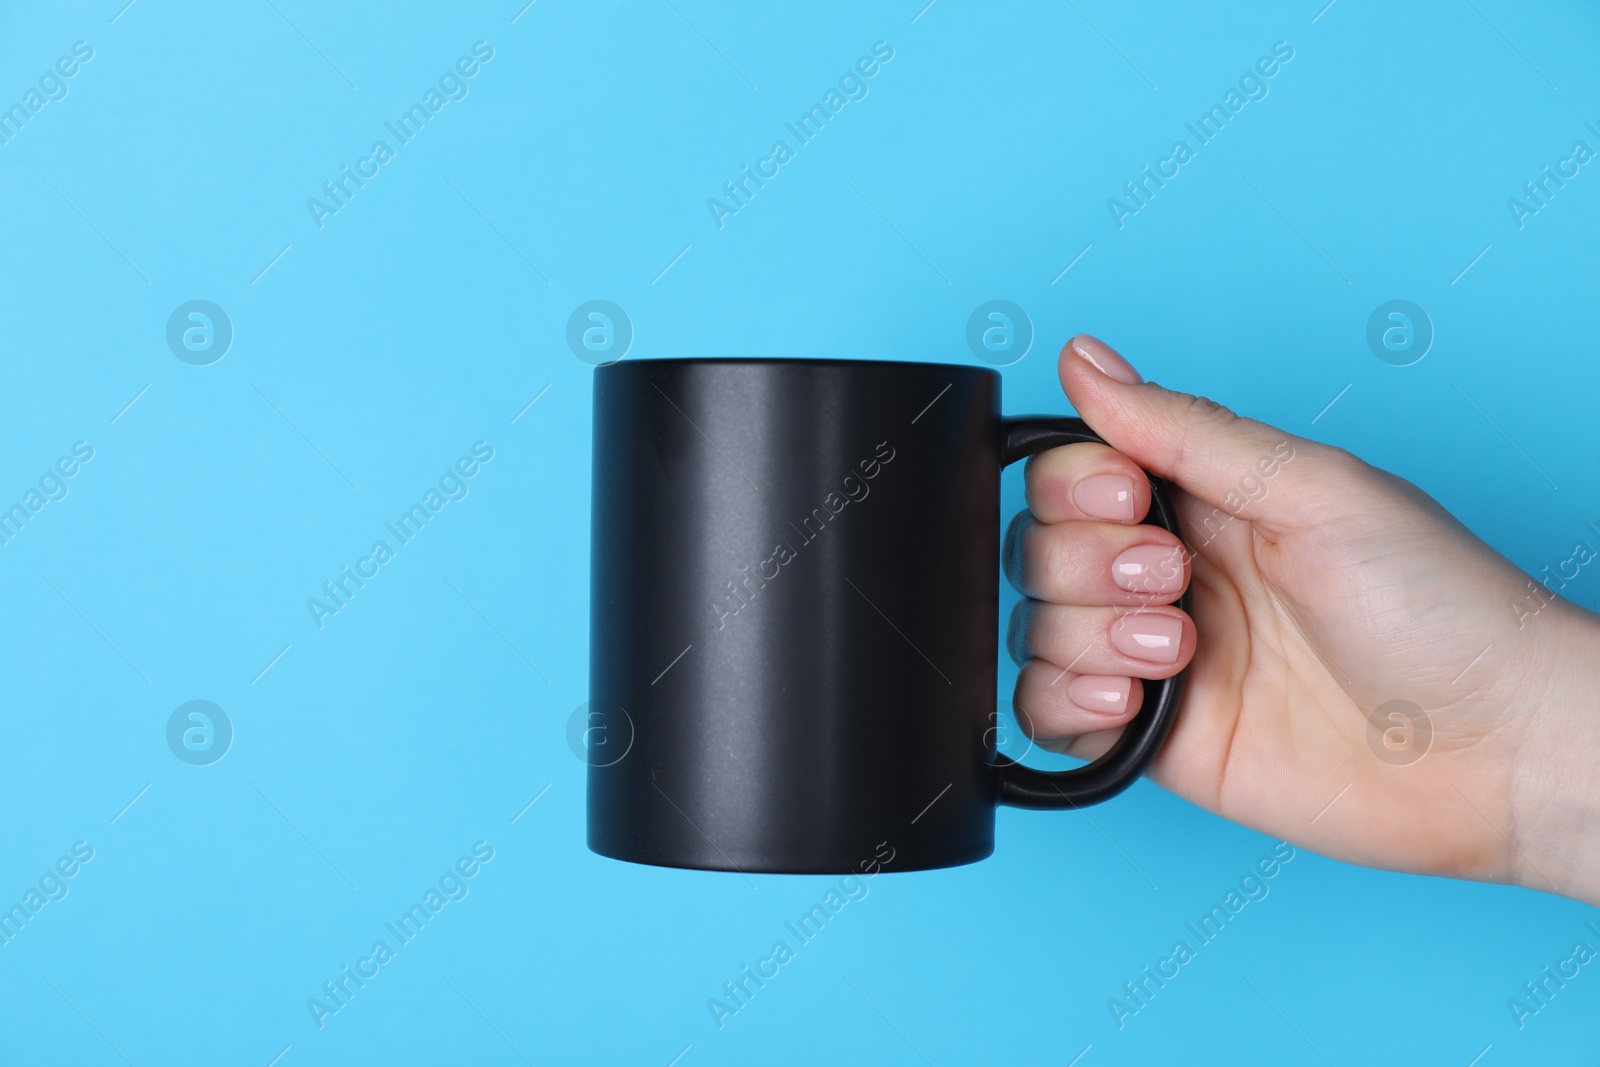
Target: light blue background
(375, 751)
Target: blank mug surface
(794, 616)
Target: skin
(1334, 588)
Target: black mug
(794, 617)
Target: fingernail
(1148, 636)
(1103, 359)
(1099, 692)
(1105, 496)
(1148, 569)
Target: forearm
(1555, 780)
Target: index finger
(1086, 481)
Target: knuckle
(1204, 410)
(1057, 558)
(1013, 549)
(1017, 633)
(1344, 461)
(1027, 722)
(1197, 414)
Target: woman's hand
(1368, 680)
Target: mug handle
(1025, 787)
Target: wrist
(1555, 787)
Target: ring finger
(1150, 642)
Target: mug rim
(802, 361)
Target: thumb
(1247, 468)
